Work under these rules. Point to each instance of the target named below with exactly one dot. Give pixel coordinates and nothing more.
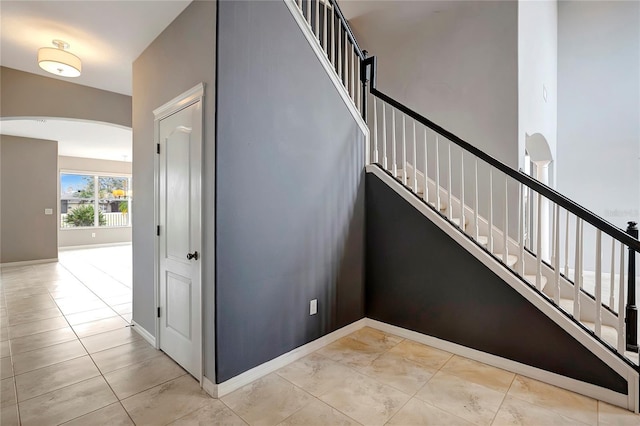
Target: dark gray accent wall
(420, 279)
(28, 186)
(180, 58)
(31, 95)
(290, 192)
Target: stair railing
(333, 33)
(485, 197)
(478, 193)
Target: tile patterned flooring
(68, 356)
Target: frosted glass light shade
(59, 62)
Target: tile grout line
(13, 371)
(94, 293)
(94, 363)
(503, 399)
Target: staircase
(477, 227)
(537, 237)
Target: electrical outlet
(93, 235)
(313, 307)
(48, 211)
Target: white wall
(70, 237)
(599, 109)
(537, 72)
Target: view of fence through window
(94, 200)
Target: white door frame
(186, 99)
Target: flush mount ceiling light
(58, 61)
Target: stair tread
(483, 239)
(607, 333)
(511, 258)
(566, 304)
(532, 279)
(456, 220)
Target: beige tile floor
(67, 356)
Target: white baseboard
(144, 333)
(28, 262)
(268, 367)
(587, 389)
(560, 381)
(90, 246)
(209, 387)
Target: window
(82, 205)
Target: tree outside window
(81, 205)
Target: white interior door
(179, 220)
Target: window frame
(96, 198)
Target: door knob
(193, 255)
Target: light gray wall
(290, 193)
(457, 67)
(24, 94)
(599, 109)
(28, 176)
(538, 72)
(71, 237)
(181, 57)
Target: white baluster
(556, 231)
(598, 322)
(299, 4)
(317, 30)
(622, 345)
(333, 36)
(539, 245)
(449, 205)
(339, 51)
(354, 96)
(612, 279)
(462, 187)
(346, 64)
(384, 135)
(404, 151)
(521, 228)
(553, 236)
(358, 84)
(438, 173)
(505, 229)
(475, 204)
(581, 254)
(324, 29)
(566, 248)
(415, 160)
(577, 273)
(375, 130)
(425, 195)
(393, 143)
(309, 12)
(490, 236)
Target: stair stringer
(630, 400)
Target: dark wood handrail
(347, 27)
(369, 74)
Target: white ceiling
(107, 35)
(75, 138)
